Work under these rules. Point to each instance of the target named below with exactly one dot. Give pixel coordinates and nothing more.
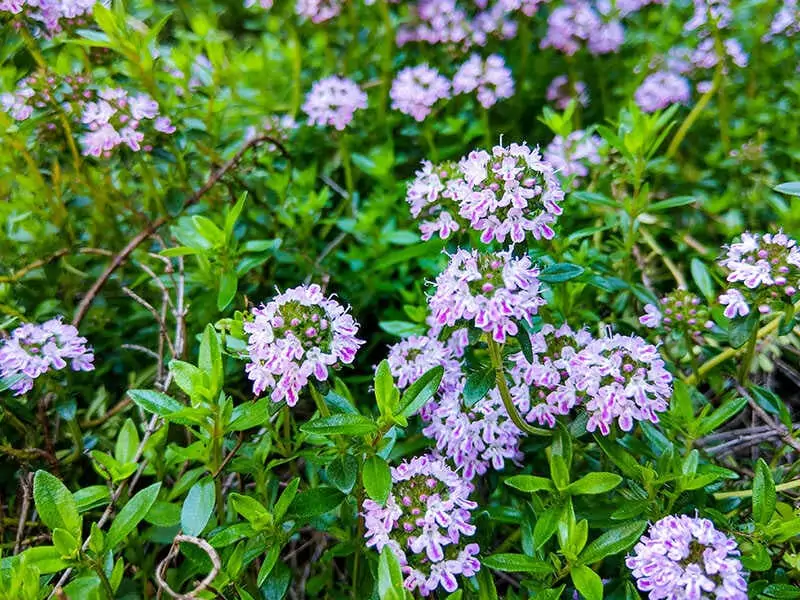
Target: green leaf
(560, 272)
(64, 541)
(402, 329)
(210, 359)
(764, 498)
(164, 514)
(524, 341)
(772, 403)
(726, 411)
(286, 499)
(155, 402)
(742, 329)
(517, 563)
(386, 393)
(615, 540)
(790, 188)
(131, 514)
(91, 497)
(530, 483)
(269, 564)
(594, 483)
(377, 479)
(47, 559)
(545, 526)
(419, 392)
(671, 203)
(127, 442)
(252, 510)
(587, 582)
(702, 278)
(782, 591)
(390, 577)
(249, 415)
(55, 504)
(228, 285)
(315, 502)
(187, 377)
(477, 385)
(559, 471)
(342, 472)
(7, 382)
(341, 424)
(198, 506)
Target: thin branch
(26, 487)
(216, 566)
(779, 428)
(122, 256)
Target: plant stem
(427, 132)
(319, 401)
(344, 151)
(104, 580)
(495, 353)
(744, 368)
(386, 58)
(694, 114)
(487, 128)
(781, 487)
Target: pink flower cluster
(681, 312)
(53, 15)
(503, 195)
(318, 11)
(687, 557)
(491, 78)
(116, 119)
(445, 22)
(616, 379)
(576, 23)
(572, 156)
(424, 521)
(560, 92)
(416, 89)
(41, 90)
(299, 333)
(33, 350)
(543, 388)
(491, 291)
(662, 89)
(765, 270)
(333, 101)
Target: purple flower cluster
(424, 521)
(33, 350)
(622, 379)
(333, 101)
(431, 196)
(318, 11)
(681, 312)
(508, 192)
(491, 291)
(572, 156)
(765, 269)
(445, 22)
(299, 333)
(576, 23)
(687, 557)
(543, 388)
(52, 15)
(491, 78)
(416, 89)
(42, 90)
(662, 89)
(785, 22)
(116, 119)
(560, 92)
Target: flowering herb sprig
(424, 522)
(300, 333)
(687, 557)
(35, 349)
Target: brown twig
(140, 237)
(230, 456)
(26, 487)
(216, 565)
(779, 428)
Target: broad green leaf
(545, 526)
(268, 564)
(671, 203)
(702, 278)
(764, 499)
(228, 285)
(587, 582)
(210, 359)
(131, 514)
(91, 497)
(791, 188)
(47, 559)
(341, 424)
(55, 504)
(477, 385)
(127, 442)
(386, 393)
(560, 272)
(155, 402)
(742, 329)
(198, 506)
(390, 577)
(595, 483)
(421, 391)
(530, 483)
(517, 563)
(287, 497)
(342, 472)
(252, 510)
(616, 540)
(316, 501)
(724, 413)
(377, 479)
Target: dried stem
(216, 565)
